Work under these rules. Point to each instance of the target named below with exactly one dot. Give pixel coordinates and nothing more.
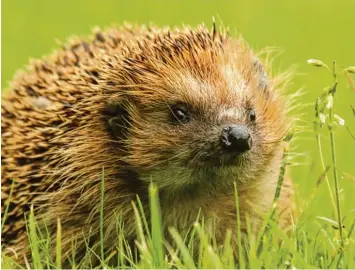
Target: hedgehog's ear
(116, 118)
(261, 74)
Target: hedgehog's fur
(106, 104)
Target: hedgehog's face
(217, 129)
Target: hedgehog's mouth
(221, 160)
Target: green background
(302, 29)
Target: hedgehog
(192, 110)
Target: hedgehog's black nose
(236, 138)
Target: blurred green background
(303, 29)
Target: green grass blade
(238, 225)
(58, 250)
(143, 248)
(157, 234)
(102, 215)
(186, 256)
(7, 205)
(36, 258)
(143, 217)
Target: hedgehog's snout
(236, 138)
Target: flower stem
(336, 181)
(326, 176)
(335, 172)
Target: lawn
(300, 30)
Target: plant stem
(239, 233)
(58, 250)
(326, 176)
(335, 172)
(276, 197)
(7, 205)
(336, 181)
(102, 215)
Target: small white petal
(315, 62)
(322, 118)
(340, 120)
(329, 102)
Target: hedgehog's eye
(180, 113)
(252, 115)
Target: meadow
(319, 156)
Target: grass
(327, 242)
